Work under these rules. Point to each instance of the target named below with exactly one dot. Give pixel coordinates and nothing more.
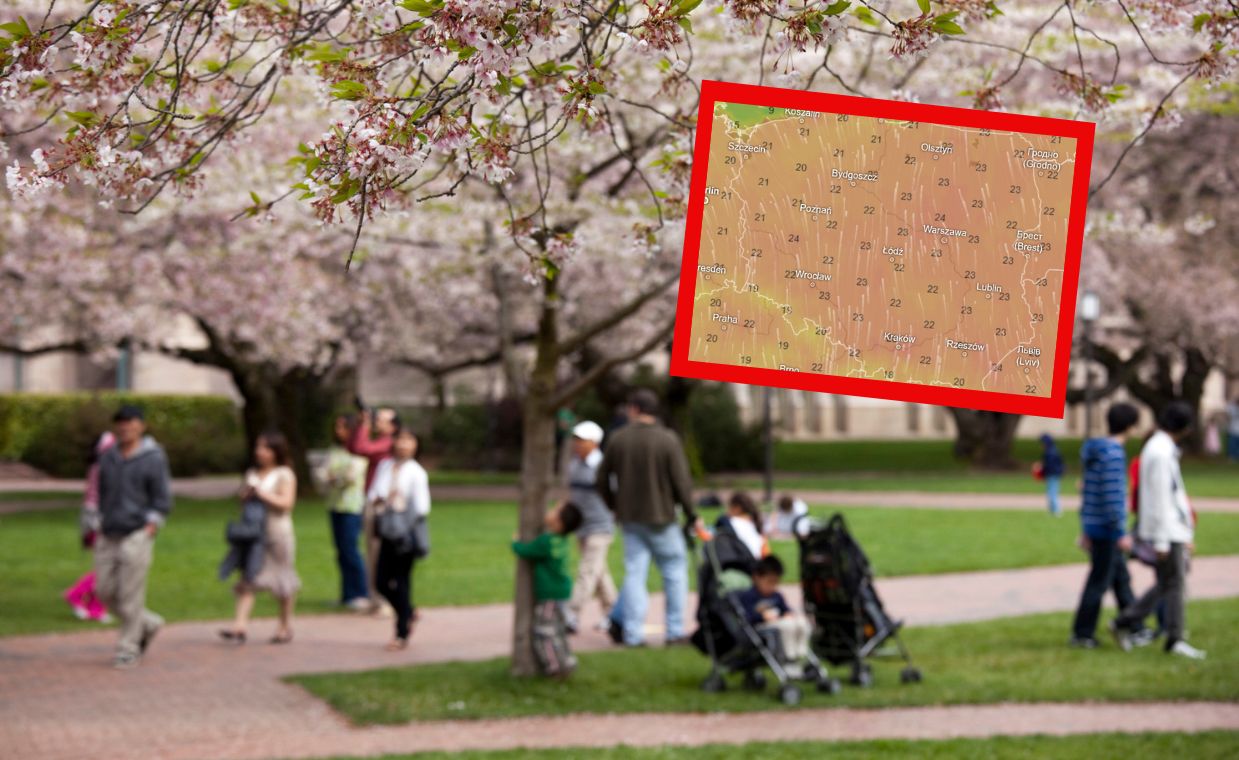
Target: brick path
(220, 487)
(197, 698)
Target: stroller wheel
(790, 695)
(862, 676)
(910, 675)
(754, 681)
(714, 683)
(829, 685)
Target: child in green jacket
(552, 588)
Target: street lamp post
(767, 423)
(1090, 310)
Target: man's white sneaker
(1121, 635)
(1184, 649)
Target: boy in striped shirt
(1103, 518)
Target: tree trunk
(1161, 388)
(679, 394)
(298, 404)
(985, 439)
(537, 464)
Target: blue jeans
(1051, 492)
(1232, 447)
(665, 543)
(345, 530)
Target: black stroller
(850, 623)
(726, 636)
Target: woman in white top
(400, 484)
(272, 482)
(745, 520)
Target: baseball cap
(129, 412)
(587, 431)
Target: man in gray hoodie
(134, 500)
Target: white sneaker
(1184, 649)
(80, 612)
(1121, 635)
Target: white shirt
(1165, 516)
(747, 532)
(412, 487)
(780, 523)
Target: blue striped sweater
(1103, 503)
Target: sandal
(282, 638)
(396, 645)
(227, 634)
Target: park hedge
(54, 433)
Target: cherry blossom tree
(528, 160)
(1162, 253)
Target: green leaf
(213, 67)
(685, 24)
(235, 4)
(923, 5)
(865, 16)
(18, 29)
(85, 118)
(834, 9)
(948, 27)
(255, 198)
(596, 88)
(684, 7)
(349, 90)
(422, 7)
(326, 53)
(1198, 21)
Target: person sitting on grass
(782, 521)
(552, 588)
(765, 608)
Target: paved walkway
(197, 698)
(221, 487)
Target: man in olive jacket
(643, 475)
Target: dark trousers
(1107, 570)
(393, 578)
(345, 531)
(1169, 589)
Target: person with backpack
(1165, 522)
(1052, 469)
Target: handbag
(251, 526)
(394, 526)
(421, 537)
(242, 531)
(1144, 552)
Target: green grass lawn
(1211, 745)
(471, 563)
(1023, 659)
(12, 496)
(930, 466)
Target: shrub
(724, 444)
(55, 432)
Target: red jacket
(375, 450)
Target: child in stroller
(733, 642)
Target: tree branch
(585, 334)
(578, 386)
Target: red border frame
(1051, 406)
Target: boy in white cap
(597, 525)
